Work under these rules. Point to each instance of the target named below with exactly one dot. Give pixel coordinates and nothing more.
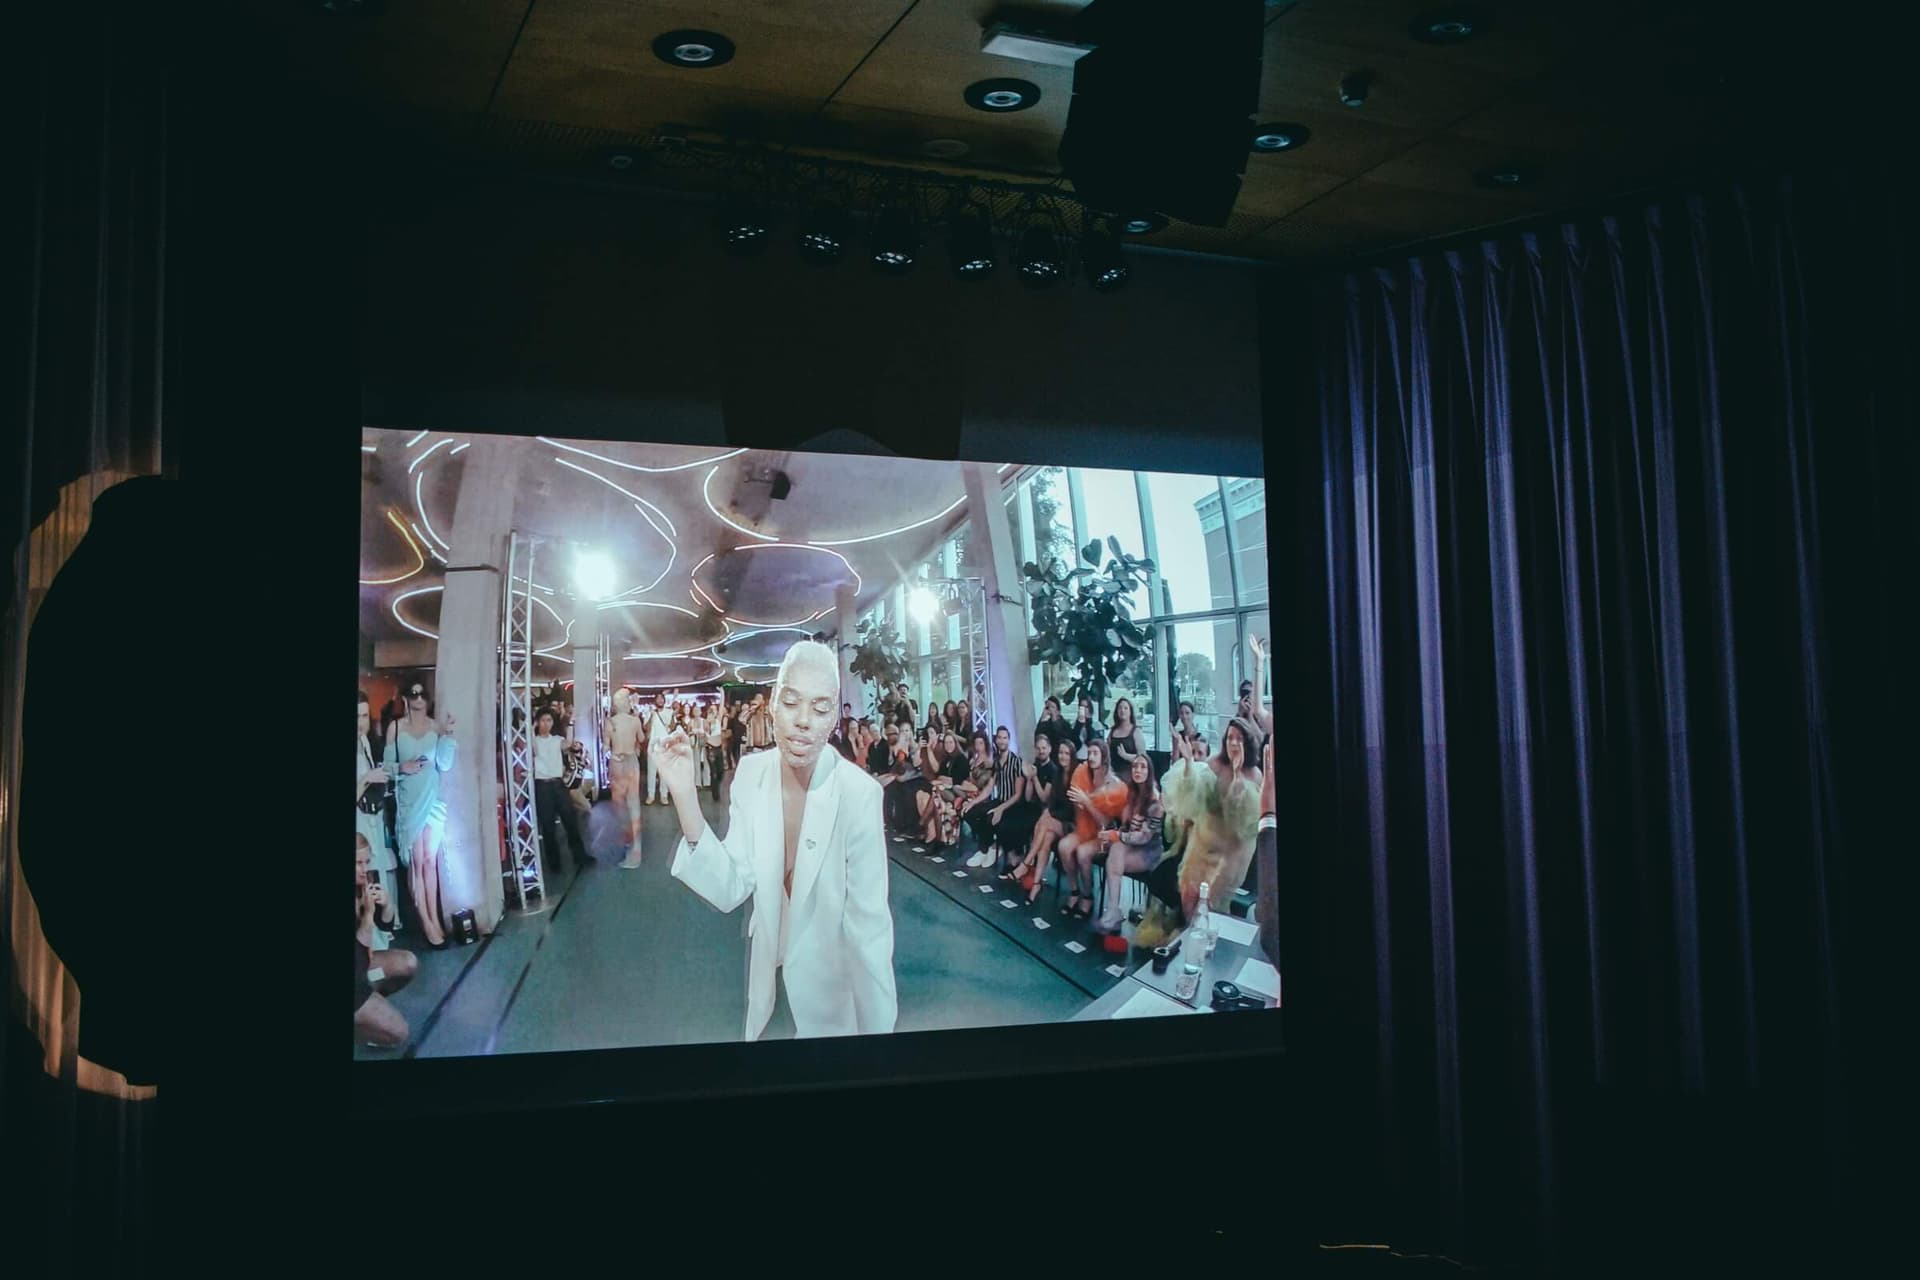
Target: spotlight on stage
(592, 575)
(1101, 259)
(923, 603)
(896, 236)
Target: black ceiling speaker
(1163, 106)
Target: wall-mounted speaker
(1162, 106)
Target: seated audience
(1098, 796)
(1135, 845)
(976, 795)
(379, 970)
(1008, 823)
(1051, 782)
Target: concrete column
(467, 679)
(1006, 620)
(851, 689)
(586, 657)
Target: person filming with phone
(379, 968)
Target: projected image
(668, 745)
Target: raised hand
(1079, 797)
(1266, 778)
(673, 757)
(1259, 648)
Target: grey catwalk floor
(632, 958)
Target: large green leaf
(1091, 552)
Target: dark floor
(631, 958)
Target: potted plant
(1081, 618)
(880, 659)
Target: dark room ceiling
(1543, 107)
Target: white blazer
(839, 961)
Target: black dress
(1128, 741)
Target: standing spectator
(759, 724)
(551, 807)
(1252, 706)
(370, 811)
(1123, 739)
(1055, 726)
(660, 727)
(1185, 730)
(716, 737)
(1086, 730)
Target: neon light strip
(536, 586)
(420, 509)
(646, 604)
(417, 439)
(428, 453)
(465, 444)
(617, 489)
(858, 582)
(367, 448)
(875, 537)
(387, 582)
(706, 492)
(394, 607)
(634, 466)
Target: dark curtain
(178, 260)
(1608, 707)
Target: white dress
(702, 765)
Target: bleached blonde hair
(622, 700)
(811, 652)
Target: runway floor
(633, 958)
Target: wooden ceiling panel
(1276, 190)
(995, 143)
(1405, 91)
(1340, 141)
(926, 64)
(1517, 38)
(591, 62)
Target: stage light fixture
(825, 231)
(896, 236)
(970, 241)
(592, 575)
(923, 603)
(1040, 256)
(1100, 258)
(744, 224)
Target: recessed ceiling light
(1280, 137)
(1447, 26)
(1139, 224)
(693, 48)
(1000, 96)
(1506, 178)
(945, 148)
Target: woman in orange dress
(1098, 798)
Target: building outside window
(1207, 599)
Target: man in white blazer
(804, 842)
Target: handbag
(573, 769)
(373, 800)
